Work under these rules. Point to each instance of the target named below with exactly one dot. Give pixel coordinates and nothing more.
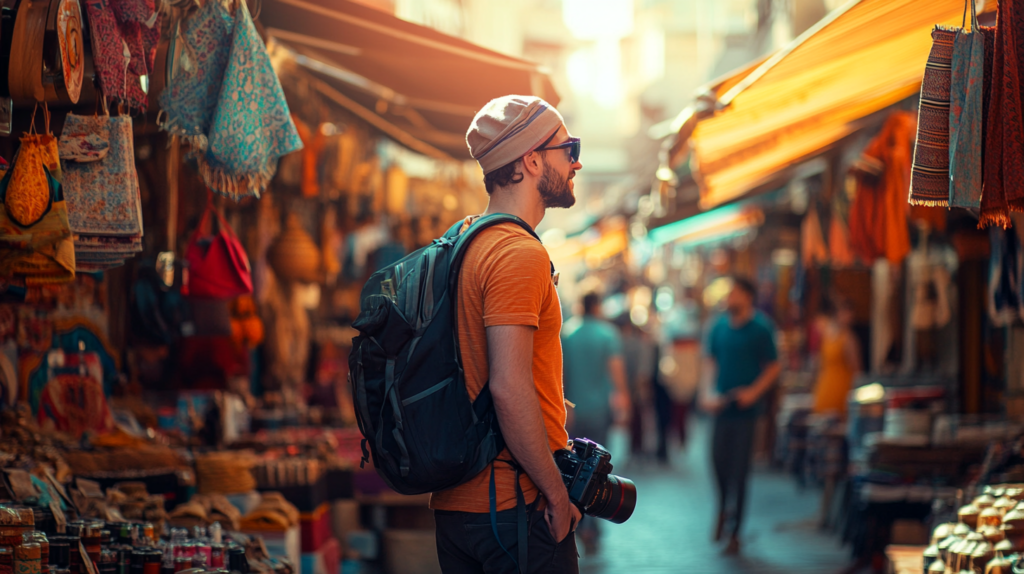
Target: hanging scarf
(119, 72)
(230, 105)
(929, 184)
(1004, 140)
(190, 99)
(965, 116)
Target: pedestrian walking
(639, 355)
(740, 366)
(595, 381)
(509, 321)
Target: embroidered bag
(44, 252)
(28, 196)
(103, 196)
(218, 267)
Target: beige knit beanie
(508, 128)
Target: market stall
(187, 226)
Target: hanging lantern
(293, 255)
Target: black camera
(586, 471)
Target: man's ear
(533, 164)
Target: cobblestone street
(670, 531)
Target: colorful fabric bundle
(1004, 138)
(929, 182)
(965, 116)
(103, 196)
(225, 100)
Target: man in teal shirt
(740, 365)
(594, 379)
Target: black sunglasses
(572, 143)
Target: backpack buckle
(444, 242)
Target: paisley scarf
(225, 100)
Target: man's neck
(525, 206)
(741, 318)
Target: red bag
(217, 265)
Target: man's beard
(555, 191)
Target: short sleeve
(769, 352)
(515, 279)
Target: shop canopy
(861, 58)
(425, 82)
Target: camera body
(586, 472)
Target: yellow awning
(863, 57)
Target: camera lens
(614, 500)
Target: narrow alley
(670, 531)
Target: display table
(905, 559)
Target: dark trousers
(466, 544)
(732, 445)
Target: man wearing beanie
(509, 320)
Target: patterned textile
(74, 404)
(229, 104)
(1004, 138)
(965, 113)
(139, 11)
(103, 196)
(929, 182)
(117, 81)
(190, 99)
(42, 253)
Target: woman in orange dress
(838, 360)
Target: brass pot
(969, 515)
(984, 501)
(1004, 504)
(989, 517)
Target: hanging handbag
(965, 114)
(44, 252)
(28, 196)
(103, 196)
(929, 179)
(218, 267)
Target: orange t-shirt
(506, 280)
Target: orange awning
(863, 57)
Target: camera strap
(521, 519)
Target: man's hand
(747, 396)
(562, 517)
(712, 405)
